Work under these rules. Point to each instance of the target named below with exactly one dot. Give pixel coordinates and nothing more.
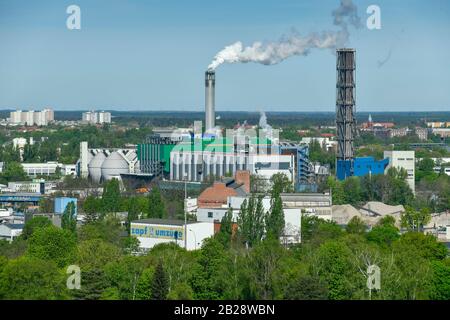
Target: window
(210, 214)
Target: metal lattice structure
(345, 110)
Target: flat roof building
(151, 232)
(10, 231)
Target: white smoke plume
(346, 13)
(264, 125)
(293, 45)
(263, 121)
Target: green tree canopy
(13, 171)
(53, 244)
(111, 196)
(28, 278)
(156, 205)
(160, 284)
(356, 226)
(251, 222)
(69, 217)
(34, 224)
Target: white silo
(113, 166)
(95, 167)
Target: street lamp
(195, 238)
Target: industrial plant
(204, 154)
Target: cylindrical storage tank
(95, 167)
(113, 166)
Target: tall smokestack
(210, 84)
(345, 112)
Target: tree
(275, 218)
(281, 184)
(13, 250)
(108, 229)
(356, 226)
(52, 244)
(226, 229)
(414, 272)
(160, 286)
(425, 170)
(93, 285)
(426, 246)
(208, 280)
(157, 208)
(69, 217)
(385, 232)
(391, 188)
(96, 253)
(257, 183)
(337, 190)
(334, 267)
(316, 231)
(307, 287)
(124, 275)
(130, 244)
(13, 171)
(133, 211)
(144, 285)
(352, 189)
(34, 224)
(91, 208)
(415, 220)
(181, 291)
(251, 221)
(46, 205)
(264, 261)
(440, 283)
(111, 196)
(28, 278)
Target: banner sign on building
(158, 232)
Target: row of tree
(330, 263)
(391, 188)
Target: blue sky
(152, 54)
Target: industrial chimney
(210, 84)
(345, 112)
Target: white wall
(292, 227)
(292, 216)
(403, 159)
(196, 234)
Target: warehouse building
(151, 232)
(362, 166)
(213, 206)
(215, 201)
(36, 186)
(45, 169)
